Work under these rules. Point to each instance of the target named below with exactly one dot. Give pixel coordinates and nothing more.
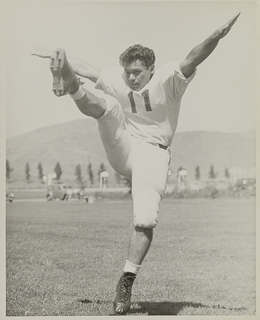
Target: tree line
(80, 179)
(212, 174)
(58, 171)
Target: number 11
(146, 97)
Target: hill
(78, 142)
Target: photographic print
(130, 158)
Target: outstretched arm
(203, 50)
(80, 67)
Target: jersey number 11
(147, 103)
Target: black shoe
(123, 293)
(64, 78)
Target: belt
(162, 146)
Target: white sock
(79, 94)
(130, 267)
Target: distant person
(137, 112)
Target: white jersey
(152, 112)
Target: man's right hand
(41, 52)
(81, 68)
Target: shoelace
(125, 289)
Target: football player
(137, 109)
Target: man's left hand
(224, 30)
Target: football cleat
(122, 301)
(64, 78)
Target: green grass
(65, 258)
(32, 194)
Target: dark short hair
(137, 52)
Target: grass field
(64, 258)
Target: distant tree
(8, 170)
(197, 172)
(27, 172)
(212, 174)
(101, 169)
(90, 174)
(78, 173)
(58, 170)
(227, 174)
(40, 171)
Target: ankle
(78, 94)
(131, 267)
(74, 86)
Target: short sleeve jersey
(152, 112)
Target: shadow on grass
(162, 308)
(170, 308)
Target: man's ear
(152, 68)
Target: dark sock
(130, 274)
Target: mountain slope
(78, 142)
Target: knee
(146, 208)
(145, 222)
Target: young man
(137, 111)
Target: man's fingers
(40, 51)
(233, 20)
(227, 27)
(33, 52)
(38, 47)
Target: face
(137, 74)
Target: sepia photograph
(129, 155)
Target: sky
(222, 96)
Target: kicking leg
(89, 100)
(64, 78)
(95, 103)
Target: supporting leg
(140, 242)
(139, 245)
